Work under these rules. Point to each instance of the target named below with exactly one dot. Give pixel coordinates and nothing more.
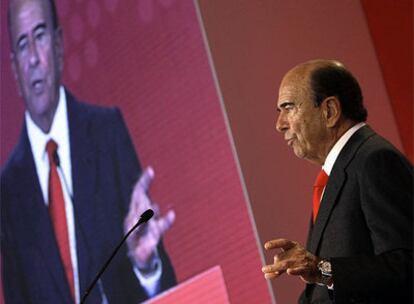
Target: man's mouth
(38, 86)
(290, 141)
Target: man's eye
(40, 35)
(22, 45)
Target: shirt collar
(59, 130)
(333, 154)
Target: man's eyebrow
(41, 25)
(20, 38)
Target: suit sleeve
(386, 195)
(12, 277)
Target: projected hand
(293, 259)
(143, 242)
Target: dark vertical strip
(391, 27)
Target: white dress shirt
(59, 132)
(337, 148)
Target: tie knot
(322, 179)
(51, 148)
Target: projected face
(37, 58)
(300, 120)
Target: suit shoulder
(98, 117)
(377, 151)
(13, 161)
(98, 111)
(377, 145)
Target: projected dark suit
(104, 170)
(364, 225)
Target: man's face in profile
(36, 55)
(300, 120)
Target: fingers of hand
(272, 271)
(280, 256)
(279, 267)
(130, 219)
(269, 269)
(152, 236)
(154, 230)
(300, 271)
(285, 260)
(144, 241)
(139, 203)
(140, 200)
(280, 243)
(136, 207)
(293, 259)
(165, 222)
(146, 178)
(156, 208)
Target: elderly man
(359, 247)
(66, 196)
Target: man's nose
(34, 54)
(281, 122)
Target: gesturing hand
(293, 259)
(143, 242)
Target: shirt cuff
(151, 282)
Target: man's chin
(40, 105)
(298, 152)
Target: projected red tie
(58, 214)
(318, 187)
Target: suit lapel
(327, 204)
(336, 181)
(38, 228)
(83, 180)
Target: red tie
(58, 214)
(318, 187)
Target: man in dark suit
(360, 241)
(76, 159)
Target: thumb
(165, 222)
(145, 179)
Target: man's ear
(332, 111)
(13, 62)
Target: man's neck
(45, 122)
(337, 133)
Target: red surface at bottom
(207, 287)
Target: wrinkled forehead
(293, 89)
(25, 15)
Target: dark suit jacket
(365, 225)
(104, 170)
